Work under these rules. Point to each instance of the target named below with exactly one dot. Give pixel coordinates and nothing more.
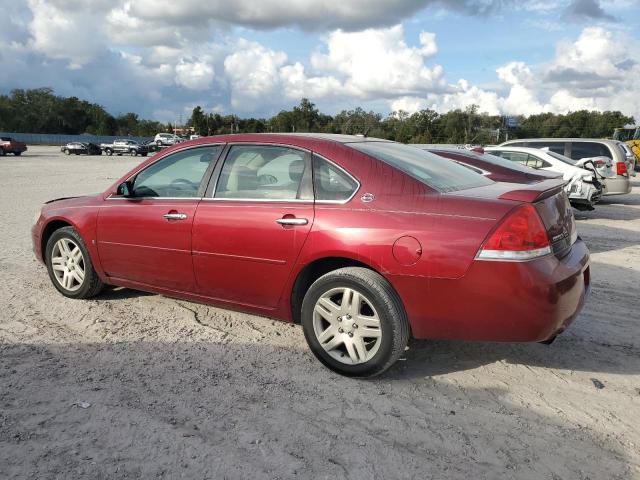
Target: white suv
(166, 139)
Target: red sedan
(364, 242)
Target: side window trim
(337, 202)
(208, 194)
(206, 178)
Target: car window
(536, 162)
(176, 175)
(562, 158)
(557, 147)
(264, 172)
(589, 149)
(331, 183)
(518, 157)
(432, 170)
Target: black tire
(393, 319)
(133, 153)
(159, 143)
(92, 285)
(108, 151)
(2, 152)
(17, 154)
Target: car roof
(597, 140)
(298, 139)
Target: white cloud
(379, 63)
(195, 75)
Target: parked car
(167, 139)
(582, 184)
(617, 181)
(9, 145)
(152, 146)
(494, 167)
(365, 242)
(121, 147)
(81, 148)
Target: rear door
(252, 224)
(147, 238)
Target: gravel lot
(182, 390)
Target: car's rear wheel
(69, 265)
(354, 322)
(66, 151)
(17, 154)
(108, 151)
(133, 153)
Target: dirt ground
(182, 390)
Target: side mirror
(125, 189)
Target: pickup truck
(122, 147)
(9, 145)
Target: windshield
(432, 170)
(562, 158)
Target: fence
(52, 139)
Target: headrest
(296, 169)
(247, 178)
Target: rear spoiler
(534, 192)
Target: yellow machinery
(630, 135)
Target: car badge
(368, 197)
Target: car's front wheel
(354, 322)
(69, 265)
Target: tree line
(41, 111)
(425, 126)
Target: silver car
(616, 177)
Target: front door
(146, 237)
(250, 228)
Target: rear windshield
(503, 162)
(562, 158)
(432, 170)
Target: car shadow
(121, 293)
(605, 238)
(211, 410)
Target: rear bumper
(618, 185)
(500, 301)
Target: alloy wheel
(347, 326)
(68, 264)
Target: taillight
(520, 236)
(621, 168)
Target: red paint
(234, 254)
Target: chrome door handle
(292, 221)
(175, 216)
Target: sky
(161, 58)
